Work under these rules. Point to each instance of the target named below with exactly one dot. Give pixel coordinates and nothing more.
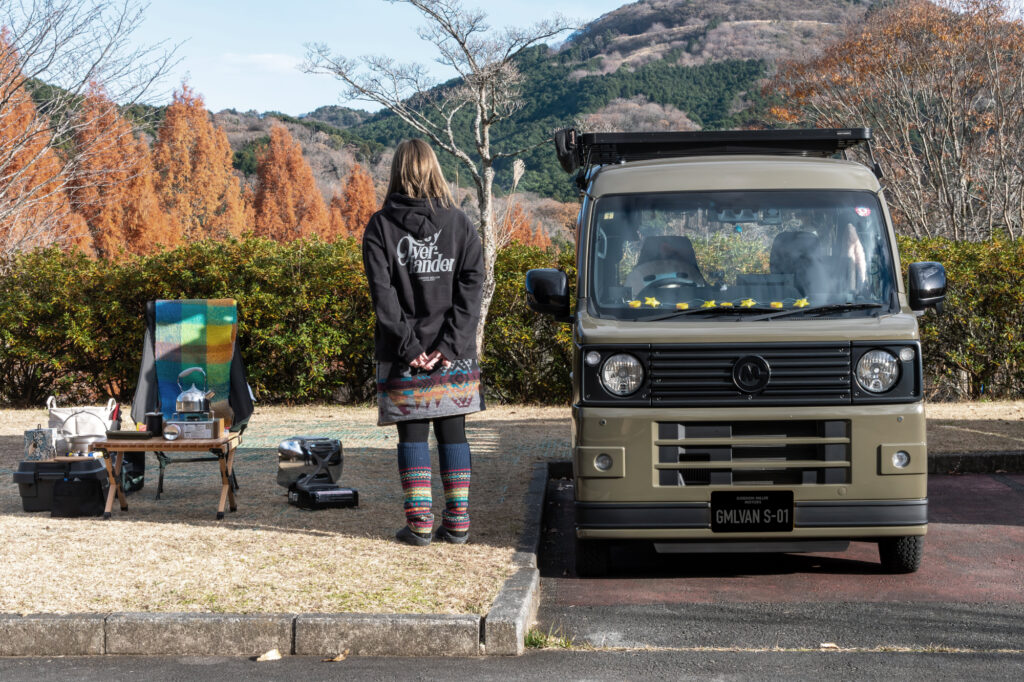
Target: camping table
(115, 449)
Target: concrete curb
(387, 635)
(52, 635)
(515, 607)
(1007, 461)
(197, 634)
(211, 634)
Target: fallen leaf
(337, 659)
(272, 655)
(828, 645)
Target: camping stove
(191, 426)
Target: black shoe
(454, 537)
(411, 537)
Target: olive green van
(747, 368)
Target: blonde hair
(415, 172)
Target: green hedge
(73, 326)
(975, 348)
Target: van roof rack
(584, 151)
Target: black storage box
(307, 493)
(36, 479)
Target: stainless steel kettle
(193, 399)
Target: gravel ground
(171, 555)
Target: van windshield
(769, 254)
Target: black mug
(155, 423)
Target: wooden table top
(162, 445)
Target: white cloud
(267, 62)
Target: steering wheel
(674, 282)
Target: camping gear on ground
(310, 467)
(316, 456)
(181, 335)
(309, 494)
(40, 443)
(76, 420)
(37, 483)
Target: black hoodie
(425, 268)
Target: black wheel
(901, 555)
(591, 558)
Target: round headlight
(622, 374)
(877, 371)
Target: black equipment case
(308, 493)
(36, 481)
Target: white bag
(74, 421)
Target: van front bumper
(811, 519)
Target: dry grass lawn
(172, 555)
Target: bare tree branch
(490, 88)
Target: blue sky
(242, 55)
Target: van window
(727, 253)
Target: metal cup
(155, 423)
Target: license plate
(751, 511)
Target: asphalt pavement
(968, 594)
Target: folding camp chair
(192, 333)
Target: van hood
(898, 327)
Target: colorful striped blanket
(196, 333)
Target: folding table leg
(114, 480)
(231, 478)
(225, 484)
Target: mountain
(649, 65)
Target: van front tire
(591, 558)
(901, 555)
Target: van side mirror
(547, 292)
(927, 285)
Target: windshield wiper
(719, 310)
(820, 309)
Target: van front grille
(753, 453)
(805, 374)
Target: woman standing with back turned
(424, 265)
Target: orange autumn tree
(358, 201)
(518, 227)
(337, 228)
(113, 186)
(34, 206)
(196, 184)
(288, 204)
(941, 86)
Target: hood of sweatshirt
(418, 217)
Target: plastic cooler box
(35, 479)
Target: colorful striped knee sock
(414, 469)
(455, 473)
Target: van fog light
(906, 354)
(622, 374)
(877, 371)
(603, 462)
(593, 357)
(900, 459)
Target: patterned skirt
(404, 393)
